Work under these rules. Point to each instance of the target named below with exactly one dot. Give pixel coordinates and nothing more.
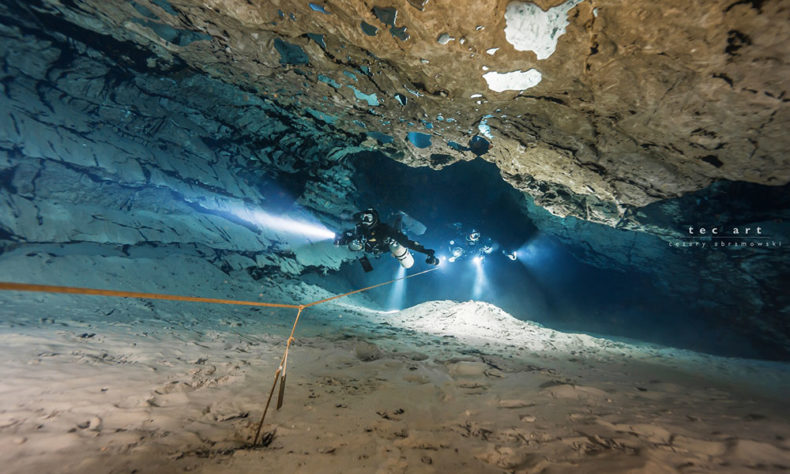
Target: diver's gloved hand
(344, 238)
(431, 260)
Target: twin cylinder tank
(402, 254)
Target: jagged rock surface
(635, 104)
(93, 150)
(737, 288)
(117, 107)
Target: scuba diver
(467, 243)
(373, 236)
(471, 244)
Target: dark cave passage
(610, 224)
(548, 283)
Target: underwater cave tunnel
(171, 148)
(555, 286)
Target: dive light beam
(288, 225)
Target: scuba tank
(402, 254)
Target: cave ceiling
(647, 118)
(626, 107)
(592, 108)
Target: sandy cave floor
(369, 393)
(106, 385)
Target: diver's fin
(409, 224)
(366, 264)
(281, 395)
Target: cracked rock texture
(93, 150)
(643, 119)
(737, 288)
(635, 105)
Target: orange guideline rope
(368, 288)
(279, 375)
(132, 294)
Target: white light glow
(480, 278)
(398, 290)
(287, 225)
(528, 253)
(537, 252)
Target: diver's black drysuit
(376, 238)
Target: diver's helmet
(369, 217)
(473, 236)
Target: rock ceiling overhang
(613, 106)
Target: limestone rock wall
(726, 287)
(592, 107)
(181, 119)
(93, 150)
